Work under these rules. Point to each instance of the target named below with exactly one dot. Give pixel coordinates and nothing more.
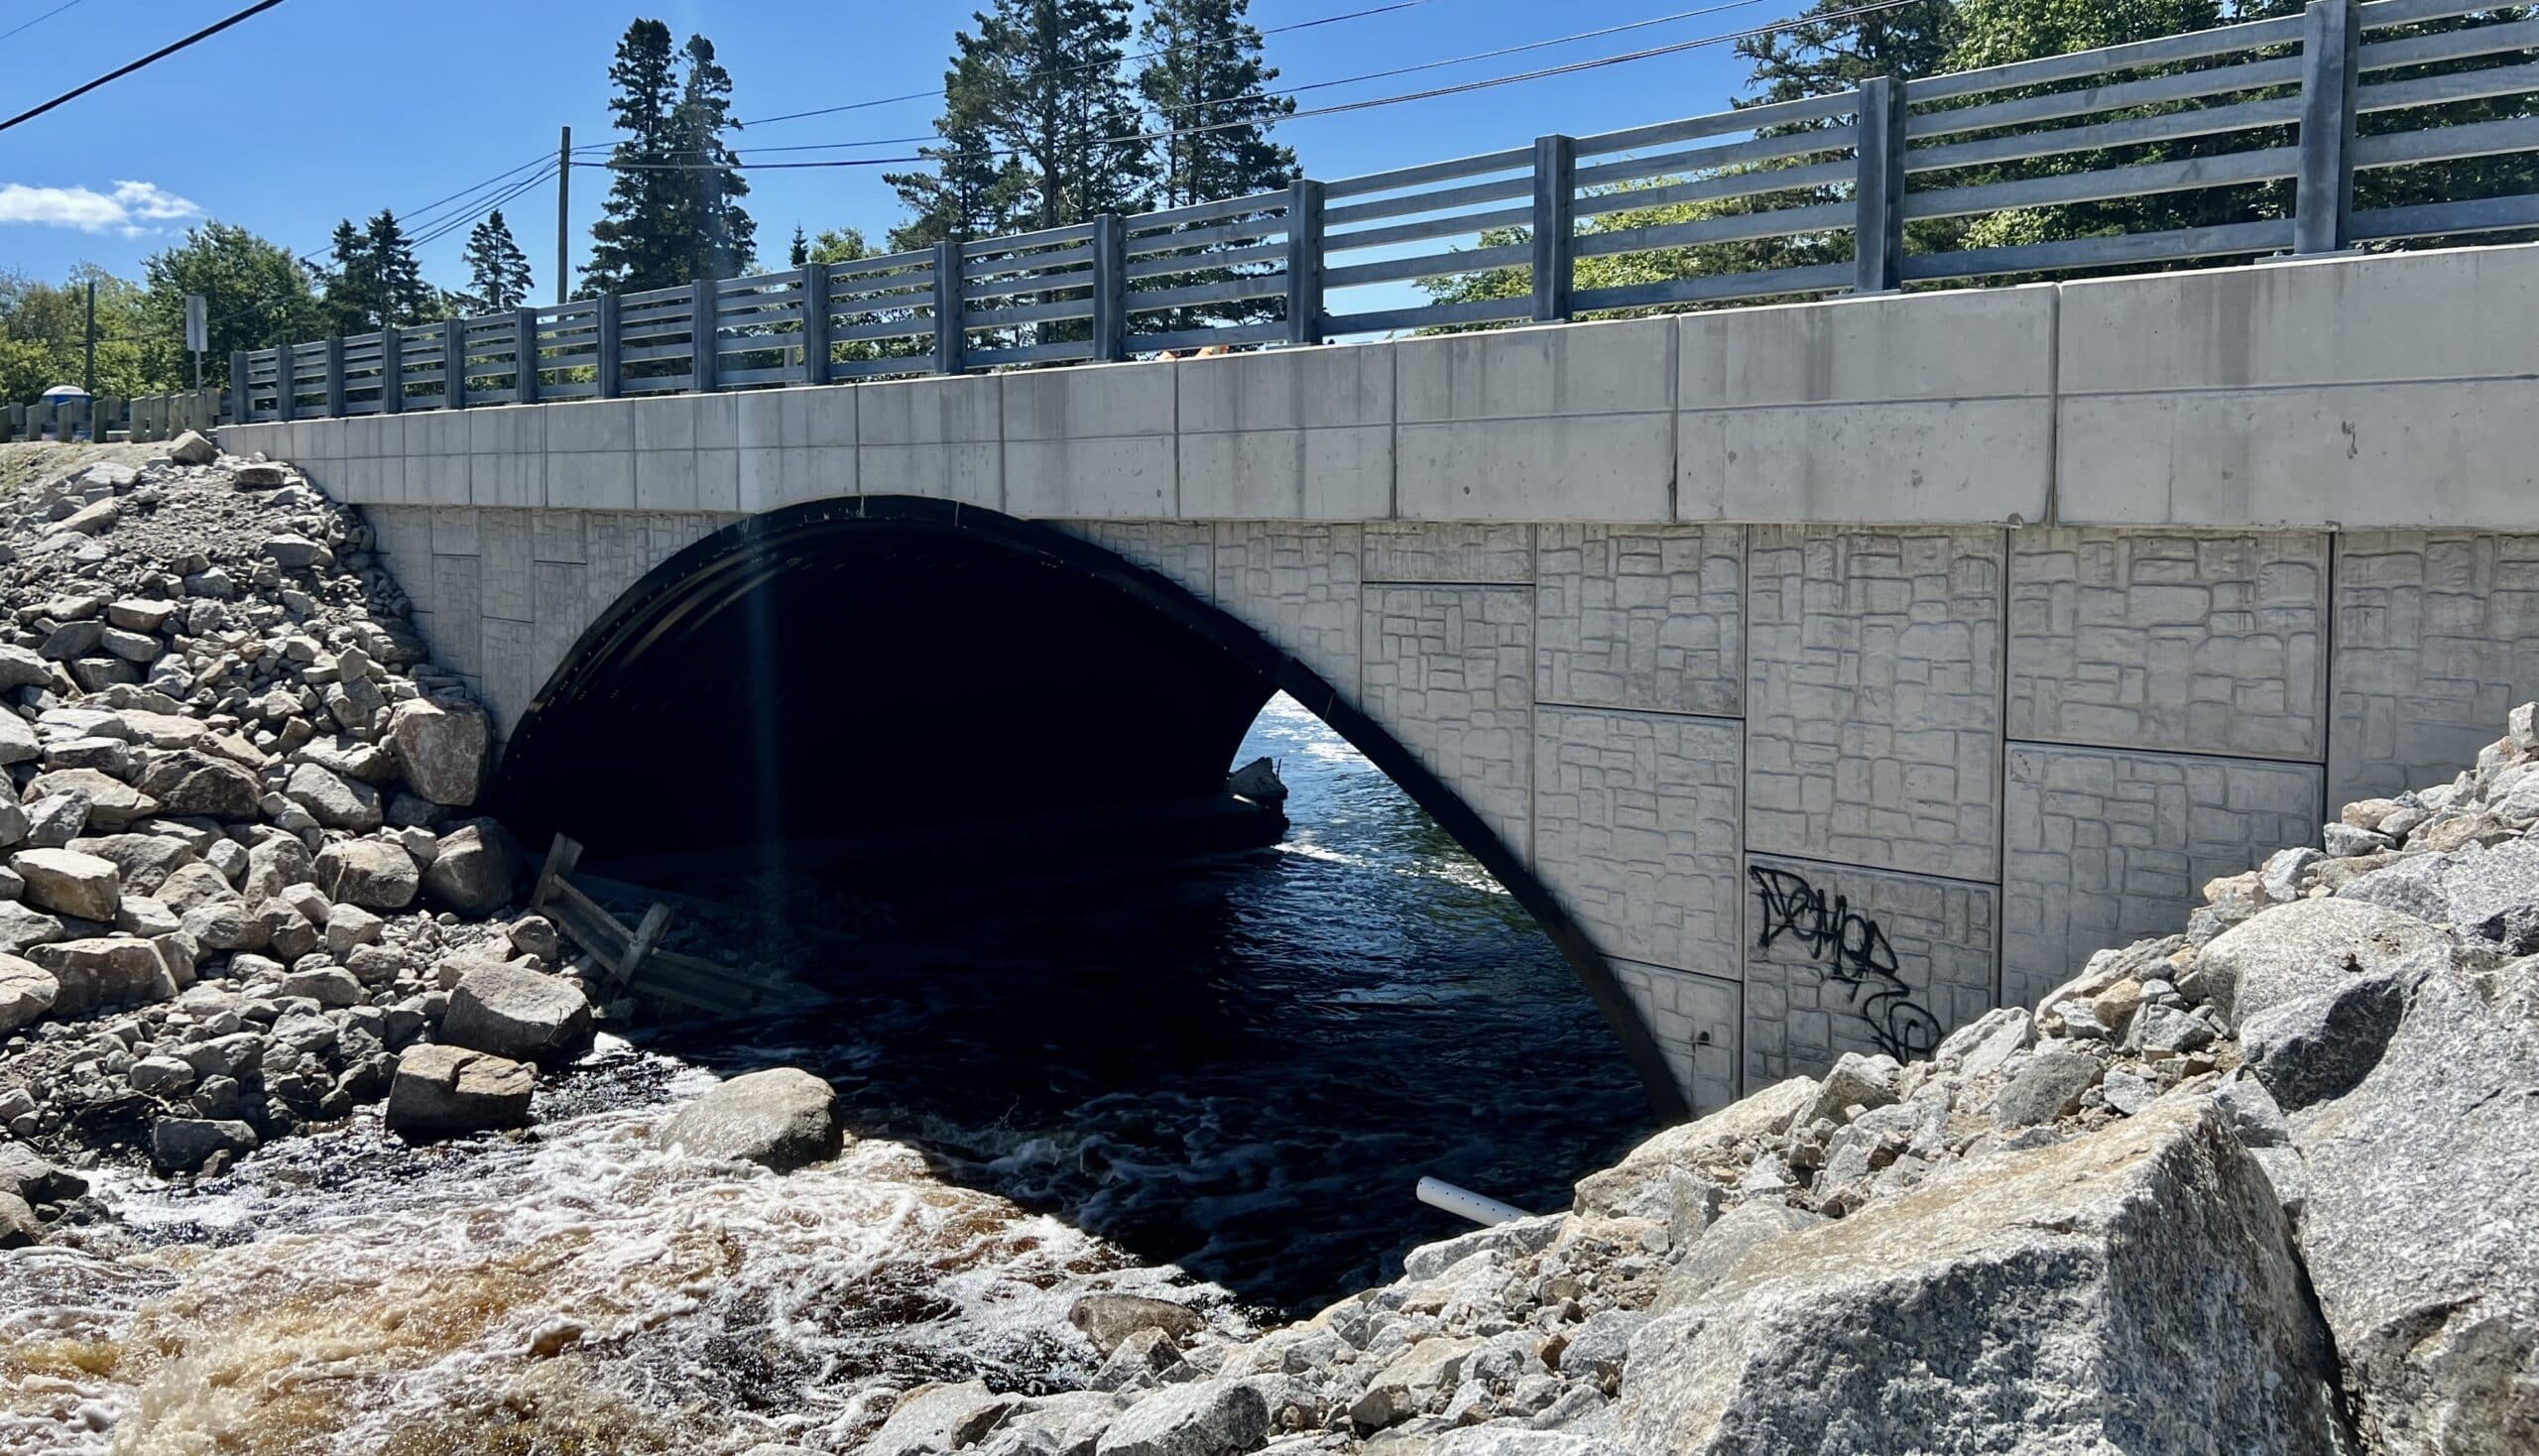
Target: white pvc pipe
(1465, 1203)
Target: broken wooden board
(635, 959)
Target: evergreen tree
(352, 280)
(1818, 58)
(497, 270)
(718, 239)
(1206, 71)
(800, 253)
(1039, 125)
(633, 243)
(402, 295)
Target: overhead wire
(161, 54)
(38, 20)
(1337, 108)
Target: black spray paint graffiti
(1855, 953)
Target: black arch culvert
(890, 662)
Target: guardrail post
(1304, 262)
(335, 377)
(2322, 198)
(702, 325)
(239, 398)
(285, 387)
(1877, 195)
(815, 323)
(950, 339)
(392, 370)
(610, 365)
(1110, 288)
(1555, 225)
(453, 363)
(524, 356)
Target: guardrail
(2269, 123)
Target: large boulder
(274, 864)
(1218, 1417)
(189, 783)
(108, 970)
(191, 448)
(440, 750)
(183, 1145)
(2308, 946)
(69, 883)
(471, 870)
(335, 801)
(1657, 1177)
(936, 1418)
(371, 873)
(112, 803)
(2134, 1289)
(782, 1118)
(144, 861)
(2418, 1225)
(27, 991)
(440, 1090)
(528, 1016)
(1107, 1318)
(2487, 897)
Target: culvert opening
(1242, 1065)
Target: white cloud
(128, 209)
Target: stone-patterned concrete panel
(1694, 1020)
(2170, 640)
(503, 546)
(2437, 638)
(1450, 670)
(1404, 551)
(1176, 550)
(2108, 846)
(1636, 830)
(1649, 618)
(1873, 696)
(1839, 959)
(1298, 586)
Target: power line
(1350, 81)
(38, 20)
(937, 93)
(161, 54)
(1335, 109)
(485, 209)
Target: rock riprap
(242, 887)
(2261, 1187)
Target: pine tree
(1039, 125)
(720, 238)
(1818, 58)
(403, 297)
(800, 253)
(497, 270)
(633, 243)
(351, 289)
(1207, 71)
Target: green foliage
(497, 270)
(42, 326)
(255, 294)
(674, 214)
(1206, 71)
(375, 282)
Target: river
(1219, 1082)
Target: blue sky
(320, 109)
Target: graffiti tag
(1855, 953)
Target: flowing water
(1219, 1083)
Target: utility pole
(563, 210)
(88, 342)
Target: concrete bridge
(1821, 674)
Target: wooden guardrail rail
(636, 959)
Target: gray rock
(1599, 1349)
(2134, 1289)
(1415, 1380)
(23, 668)
(530, 1015)
(18, 1225)
(1511, 1240)
(1107, 1319)
(328, 986)
(936, 1419)
(1653, 1175)
(2322, 1045)
(1983, 1045)
(22, 929)
(298, 554)
(2417, 1228)
(440, 750)
(2487, 897)
(191, 448)
(189, 783)
(1218, 1417)
(2281, 873)
(784, 1118)
(1519, 1438)
(161, 1077)
(472, 871)
(335, 801)
(1738, 1231)
(106, 970)
(2308, 946)
(70, 883)
(1142, 1361)
(1856, 1080)
(370, 873)
(23, 1175)
(112, 803)
(26, 992)
(275, 864)
(2048, 1087)
(17, 741)
(451, 1089)
(183, 1145)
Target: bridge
(1821, 673)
